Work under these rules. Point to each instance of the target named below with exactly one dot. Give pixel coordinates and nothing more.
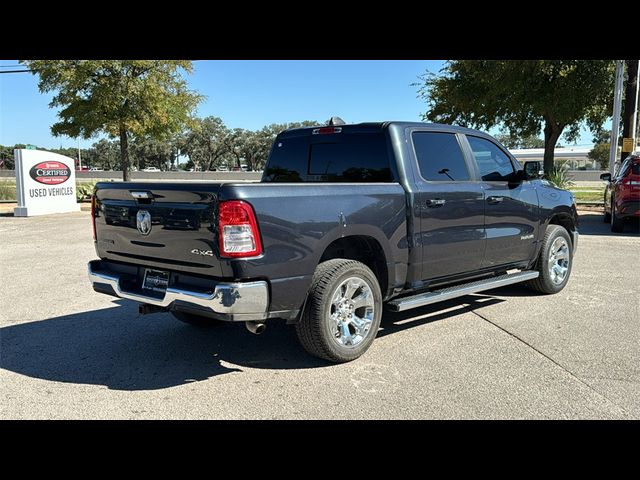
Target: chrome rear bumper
(240, 301)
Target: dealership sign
(45, 183)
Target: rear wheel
(343, 311)
(617, 223)
(554, 261)
(195, 320)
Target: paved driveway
(67, 352)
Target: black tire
(195, 320)
(617, 223)
(607, 216)
(316, 330)
(544, 282)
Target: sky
(250, 94)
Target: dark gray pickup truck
(346, 219)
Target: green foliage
(207, 142)
(142, 98)
(559, 176)
(602, 136)
(600, 153)
(104, 154)
(210, 144)
(530, 141)
(522, 96)
(7, 190)
(84, 190)
(6, 158)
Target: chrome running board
(422, 299)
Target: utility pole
(615, 119)
(630, 109)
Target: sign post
(45, 183)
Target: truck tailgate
(164, 225)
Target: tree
(523, 96)
(530, 141)
(600, 153)
(207, 142)
(106, 154)
(151, 152)
(6, 157)
(601, 136)
(119, 97)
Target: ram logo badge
(143, 222)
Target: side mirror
(605, 176)
(533, 169)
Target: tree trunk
(552, 132)
(629, 103)
(124, 154)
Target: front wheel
(554, 261)
(343, 311)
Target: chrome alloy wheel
(559, 257)
(352, 311)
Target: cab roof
(377, 126)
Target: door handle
(495, 200)
(435, 202)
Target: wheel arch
(365, 249)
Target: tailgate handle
(141, 194)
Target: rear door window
(440, 157)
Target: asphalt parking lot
(69, 353)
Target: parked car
(622, 193)
(151, 169)
(346, 219)
(96, 169)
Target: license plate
(155, 280)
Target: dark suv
(622, 194)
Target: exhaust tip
(256, 327)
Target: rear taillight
(238, 230)
(93, 215)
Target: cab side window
(494, 164)
(440, 157)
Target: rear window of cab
(336, 157)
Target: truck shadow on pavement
(591, 223)
(118, 348)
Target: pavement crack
(521, 340)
